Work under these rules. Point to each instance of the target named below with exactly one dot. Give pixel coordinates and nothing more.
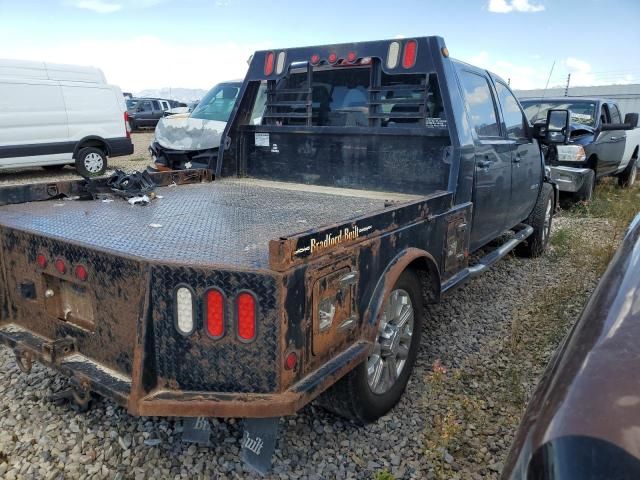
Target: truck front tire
(628, 177)
(540, 219)
(374, 387)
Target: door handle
(517, 159)
(484, 163)
(613, 138)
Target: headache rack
(295, 106)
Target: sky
(146, 44)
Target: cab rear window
(345, 97)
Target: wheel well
(429, 278)
(635, 152)
(91, 142)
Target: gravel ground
(137, 161)
(466, 334)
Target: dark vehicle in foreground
(303, 269)
(583, 421)
(600, 144)
(146, 112)
(192, 140)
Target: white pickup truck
(599, 143)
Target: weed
(383, 475)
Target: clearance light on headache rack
(184, 311)
(351, 57)
(315, 59)
(333, 58)
(409, 54)
(393, 54)
(269, 61)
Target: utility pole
(566, 89)
(509, 82)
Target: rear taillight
(41, 260)
(127, 125)
(81, 273)
(215, 313)
(333, 58)
(246, 316)
(268, 63)
(185, 321)
(282, 56)
(61, 267)
(409, 54)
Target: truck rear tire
(540, 219)
(585, 193)
(374, 387)
(628, 176)
(91, 162)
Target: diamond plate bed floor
(228, 222)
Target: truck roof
(565, 99)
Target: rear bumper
(119, 146)
(569, 179)
(127, 392)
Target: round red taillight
(81, 273)
(333, 58)
(291, 361)
(315, 59)
(60, 266)
(351, 57)
(41, 260)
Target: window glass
(342, 97)
(604, 114)
(217, 103)
(615, 113)
(145, 106)
(480, 104)
(513, 116)
(581, 111)
(156, 105)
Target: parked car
(187, 108)
(583, 420)
(302, 270)
(52, 115)
(600, 144)
(192, 140)
(146, 112)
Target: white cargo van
(52, 115)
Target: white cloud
(521, 76)
(506, 6)
(98, 6)
(110, 6)
(164, 63)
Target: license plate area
(69, 302)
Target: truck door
(144, 113)
(610, 144)
(526, 164)
(492, 179)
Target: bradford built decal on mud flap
(331, 240)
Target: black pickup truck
(304, 268)
(599, 144)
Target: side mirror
(631, 119)
(557, 126)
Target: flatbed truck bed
(228, 222)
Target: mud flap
(259, 442)
(196, 430)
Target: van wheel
(91, 162)
(540, 219)
(372, 388)
(628, 177)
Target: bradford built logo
(331, 240)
